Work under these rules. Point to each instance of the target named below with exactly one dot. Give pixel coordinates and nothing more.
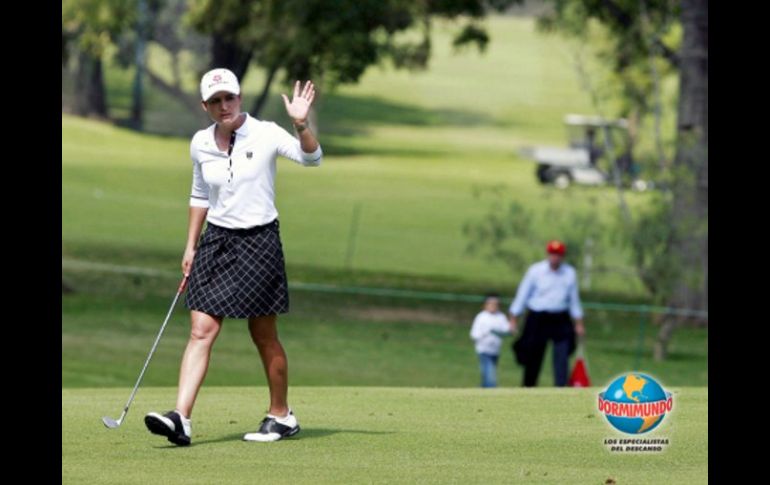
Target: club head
(110, 423)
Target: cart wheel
(562, 180)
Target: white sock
(186, 423)
(283, 419)
(182, 416)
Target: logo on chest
(249, 155)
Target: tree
(167, 28)
(673, 259)
(689, 214)
(512, 234)
(640, 47)
(161, 21)
(330, 41)
(88, 27)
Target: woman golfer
(237, 268)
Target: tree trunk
(90, 98)
(137, 95)
(65, 288)
(228, 54)
(65, 43)
(690, 204)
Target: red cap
(556, 247)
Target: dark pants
(539, 328)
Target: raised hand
(299, 107)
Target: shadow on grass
(324, 432)
(351, 112)
(306, 433)
(221, 439)
(336, 146)
(339, 114)
(344, 116)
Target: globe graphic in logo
(635, 403)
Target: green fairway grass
(380, 435)
(110, 322)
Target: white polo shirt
(239, 190)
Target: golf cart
(595, 144)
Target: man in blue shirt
(549, 291)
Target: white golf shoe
(274, 428)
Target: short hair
(491, 294)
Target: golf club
(111, 423)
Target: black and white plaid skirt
(239, 273)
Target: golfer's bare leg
(195, 363)
(265, 336)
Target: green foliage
(648, 238)
(512, 234)
(640, 41)
(502, 232)
(336, 41)
(94, 24)
(629, 39)
(635, 27)
(472, 34)
(654, 232)
(582, 231)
